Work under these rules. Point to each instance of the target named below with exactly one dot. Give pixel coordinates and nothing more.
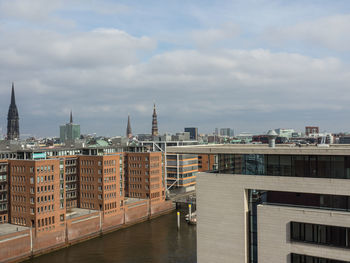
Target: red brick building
(144, 175)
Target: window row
(297, 258)
(3, 168)
(46, 221)
(155, 195)
(133, 194)
(87, 195)
(18, 221)
(3, 197)
(3, 207)
(46, 188)
(320, 234)
(88, 162)
(46, 178)
(111, 206)
(43, 209)
(110, 179)
(46, 198)
(44, 168)
(18, 188)
(87, 187)
(18, 208)
(286, 165)
(109, 162)
(18, 198)
(110, 195)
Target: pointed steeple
(12, 118)
(154, 121)
(71, 117)
(13, 99)
(128, 129)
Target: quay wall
(22, 245)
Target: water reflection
(156, 241)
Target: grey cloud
(101, 76)
(330, 32)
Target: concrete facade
(222, 220)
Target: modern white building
(273, 205)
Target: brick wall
(17, 245)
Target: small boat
(193, 220)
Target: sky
(250, 65)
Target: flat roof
(7, 228)
(76, 212)
(282, 149)
(130, 200)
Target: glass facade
(316, 201)
(286, 165)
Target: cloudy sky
(250, 65)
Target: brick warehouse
(51, 202)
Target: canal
(154, 241)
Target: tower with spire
(69, 132)
(12, 118)
(154, 121)
(128, 129)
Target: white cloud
(34, 10)
(331, 32)
(208, 37)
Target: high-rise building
(193, 133)
(12, 118)
(128, 129)
(154, 122)
(280, 204)
(226, 132)
(69, 132)
(311, 130)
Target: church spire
(154, 121)
(12, 118)
(71, 117)
(128, 129)
(13, 99)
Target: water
(155, 241)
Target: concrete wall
(222, 210)
(274, 233)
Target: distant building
(154, 122)
(344, 140)
(287, 133)
(12, 118)
(193, 133)
(128, 129)
(311, 130)
(69, 132)
(182, 171)
(226, 132)
(207, 162)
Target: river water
(155, 241)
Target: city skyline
(249, 65)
